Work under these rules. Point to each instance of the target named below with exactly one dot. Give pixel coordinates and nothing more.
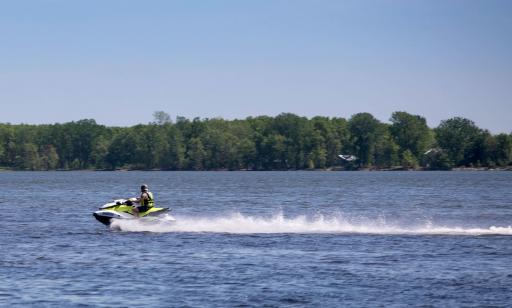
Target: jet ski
(122, 209)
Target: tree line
(283, 142)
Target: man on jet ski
(145, 201)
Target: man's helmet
(144, 187)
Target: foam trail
(243, 224)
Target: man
(145, 201)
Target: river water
(259, 239)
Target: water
(259, 239)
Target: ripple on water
(262, 239)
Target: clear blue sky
(119, 61)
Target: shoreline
(458, 169)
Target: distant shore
(283, 142)
(459, 169)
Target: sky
(118, 61)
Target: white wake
(243, 224)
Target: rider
(145, 201)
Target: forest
(284, 142)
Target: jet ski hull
(102, 218)
(108, 215)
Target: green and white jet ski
(122, 209)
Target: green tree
(121, 150)
(2, 153)
(286, 141)
(275, 147)
(196, 154)
(409, 160)
(6, 136)
(297, 133)
(386, 150)
(364, 130)
(161, 118)
(11, 153)
(437, 159)
(503, 153)
(411, 133)
(247, 153)
(30, 157)
(318, 158)
(49, 158)
(458, 138)
(175, 158)
(99, 152)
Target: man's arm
(143, 196)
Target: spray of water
(243, 224)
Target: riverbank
(335, 169)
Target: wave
(244, 224)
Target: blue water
(259, 239)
